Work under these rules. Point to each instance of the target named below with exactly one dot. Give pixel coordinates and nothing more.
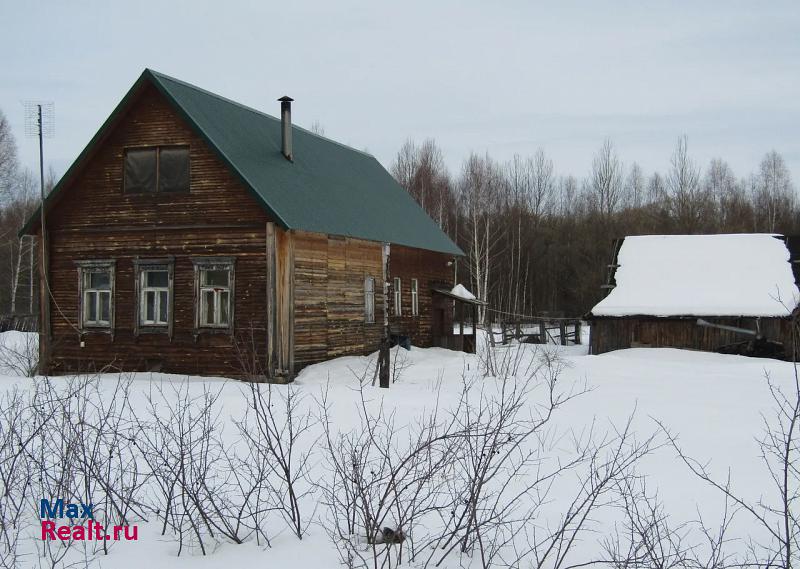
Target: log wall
(94, 219)
(329, 319)
(431, 270)
(609, 334)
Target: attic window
(157, 169)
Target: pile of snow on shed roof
(461, 291)
(702, 275)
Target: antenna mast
(39, 122)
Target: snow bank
(702, 275)
(715, 404)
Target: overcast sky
(497, 77)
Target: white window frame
(369, 300)
(85, 270)
(201, 265)
(157, 298)
(142, 267)
(414, 297)
(398, 296)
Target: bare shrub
(465, 485)
(16, 433)
(53, 452)
(19, 353)
(776, 514)
(274, 429)
(107, 462)
(649, 539)
(179, 444)
(381, 482)
(400, 363)
(510, 360)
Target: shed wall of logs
(609, 334)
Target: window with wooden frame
(156, 169)
(398, 297)
(214, 286)
(414, 297)
(369, 300)
(96, 294)
(154, 291)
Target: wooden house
(194, 234)
(726, 293)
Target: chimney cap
(286, 99)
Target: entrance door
(437, 327)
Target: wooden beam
(273, 335)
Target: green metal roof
(328, 188)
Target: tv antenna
(40, 123)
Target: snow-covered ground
(714, 404)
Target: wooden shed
(196, 235)
(722, 293)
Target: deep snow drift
(714, 404)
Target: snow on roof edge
(685, 276)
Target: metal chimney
(286, 127)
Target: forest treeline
(538, 241)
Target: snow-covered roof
(461, 291)
(702, 275)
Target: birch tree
(774, 192)
(479, 191)
(605, 180)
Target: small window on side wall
(369, 300)
(414, 297)
(156, 169)
(398, 297)
(214, 283)
(96, 283)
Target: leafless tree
(635, 190)
(9, 163)
(688, 201)
(774, 193)
(480, 188)
(317, 128)
(421, 170)
(606, 179)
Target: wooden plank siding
(609, 334)
(431, 270)
(97, 220)
(329, 317)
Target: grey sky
(477, 76)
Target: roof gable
(328, 188)
(702, 275)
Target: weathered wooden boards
(96, 219)
(609, 334)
